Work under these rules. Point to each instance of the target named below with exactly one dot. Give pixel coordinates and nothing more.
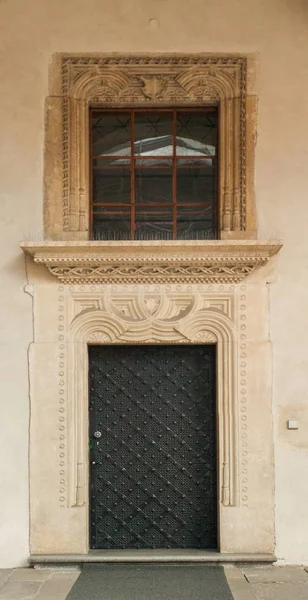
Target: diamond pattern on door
(153, 469)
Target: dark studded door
(152, 447)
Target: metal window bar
(174, 203)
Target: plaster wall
(278, 31)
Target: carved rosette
(97, 338)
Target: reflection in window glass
(164, 160)
(154, 223)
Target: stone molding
(79, 82)
(67, 318)
(152, 262)
(155, 317)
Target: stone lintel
(210, 261)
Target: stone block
(275, 574)
(281, 591)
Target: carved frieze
(144, 262)
(163, 272)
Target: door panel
(152, 447)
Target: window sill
(94, 262)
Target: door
(152, 419)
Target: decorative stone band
(215, 261)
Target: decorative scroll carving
(155, 80)
(207, 262)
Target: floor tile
(4, 575)
(19, 590)
(281, 591)
(58, 585)
(239, 585)
(275, 574)
(30, 574)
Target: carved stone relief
(82, 81)
(127, 293)
(151, 316)
(141, 262)
(67, 318)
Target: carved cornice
(150, 262)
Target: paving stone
(4, 575)
(30, 574)
(275, 574)
(280, 591)
(19, 590)
(57, 586)
(240, 588)
(232, 572)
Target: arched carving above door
(195, 321)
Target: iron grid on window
(154, 174)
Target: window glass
(154, 174)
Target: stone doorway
(152, 421)
(70, 318)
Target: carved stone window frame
(81, 81)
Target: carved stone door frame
(112, 327)
(69, 317)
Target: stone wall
(277, 30)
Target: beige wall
(30, 32)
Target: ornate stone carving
(152, 304)
(113, 262)
(97, 337)
(149, 318)
(205, 338)
(62, 391)
(155, 80)
(243, 399)
(162, 273)
(154, 87)
(67, 318)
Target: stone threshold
(152, 556)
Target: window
(78, 206)
(154, 174)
